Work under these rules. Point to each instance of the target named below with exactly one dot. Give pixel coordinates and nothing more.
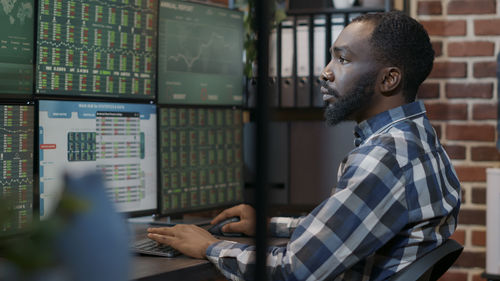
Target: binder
(287, 83)
(273, 70)
(303, 88)
(319, 60)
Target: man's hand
(190, 240)
(247, 221)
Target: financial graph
(201, 158)
(103, 48)
(196, 48)
(200, 54)
(16, 163)
(116, 139)
(16, 46)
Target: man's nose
(327, 74)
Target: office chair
(432, 265)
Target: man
(397, 196)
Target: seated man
(397, 196)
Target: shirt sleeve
(283, 226)
(367, 210)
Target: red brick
(459, 236)
(485, 153)
(468, 173)
(478, 195)
(438, 48)
(471, 49)
(455, 151)
(485, 69)
(471, 259)
(469, 216)
(470, 132)
(428, 91)
(453, 276)
(462, 196)
(446, 111)
(438, 129)
(485, 112)
(472, 7)
(449, 70)
(429, 8)
(479, 238)
(469, 90)
(445, 28)
(487, 27)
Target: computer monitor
(16, 48)
(201, 158)
(118, 139)
(97, 48)
(200, 54)
(17, 133)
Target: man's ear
(391, 80)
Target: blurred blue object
(95, 244)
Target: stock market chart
(102, 48)
(116, 139)
(16, 47)
(16, 165)
(200, 55)
(201, 158)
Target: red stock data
(201, 158)
(16, 166)
(97, 48)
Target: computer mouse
(216, 229)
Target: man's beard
(358, 97)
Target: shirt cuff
(213, 252)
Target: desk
(179, 268)
(149, 268)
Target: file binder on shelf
(287, 65)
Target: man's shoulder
(402, 143)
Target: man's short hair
(399, 40)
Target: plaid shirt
(396, 199)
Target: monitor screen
(17, 133)
(117, 139)
(201, 158)
(16, 47)
(97, 48)
(200, 54)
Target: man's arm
(278, 226)
(366, 212)
(368, 209)
(283, 226)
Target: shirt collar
(368, 127)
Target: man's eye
(342, 60)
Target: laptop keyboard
(150, 247)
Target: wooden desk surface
(149, 268)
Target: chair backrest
(432, 265)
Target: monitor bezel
(138, 213)
(104, 97)
(36, 200)
(180, 104)
(181, 212)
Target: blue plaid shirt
(396, 199)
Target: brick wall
(461, 99)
